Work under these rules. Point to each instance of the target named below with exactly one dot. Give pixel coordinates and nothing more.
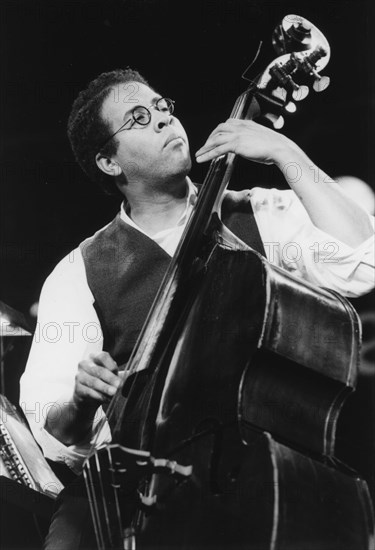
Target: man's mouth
(170, 138)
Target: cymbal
(12, 322)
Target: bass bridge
(119, 488)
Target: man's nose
(162, 119)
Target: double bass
(223, 431)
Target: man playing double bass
(126, 137)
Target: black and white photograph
(187, 276)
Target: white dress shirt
(68, 329)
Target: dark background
(195, 52)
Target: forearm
(70, 424)
(329, 208)
(96, 382)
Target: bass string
(238, 111)
(90, 488)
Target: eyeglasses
(142, 116)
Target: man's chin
(184, 168)
(177, 170)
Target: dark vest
(125, 268)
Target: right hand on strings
(96, 381)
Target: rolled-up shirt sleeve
(67, 331)
(293, 242)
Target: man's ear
(107, 165)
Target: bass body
(246, 396)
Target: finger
(101, 386)
(89, 370)
(86, 394)
(234, 125)
(215, 152)
(224, 127)
(91, 385)
(104, 359)
(215, 141)
(230, 126)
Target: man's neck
(156, 210)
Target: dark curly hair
(87, 130)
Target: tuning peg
(281, 73)
(280, 93)
(291, 107)
(300, 92)
(277, 121)
(321, 83)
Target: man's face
(155, 152)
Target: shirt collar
(191, 194)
